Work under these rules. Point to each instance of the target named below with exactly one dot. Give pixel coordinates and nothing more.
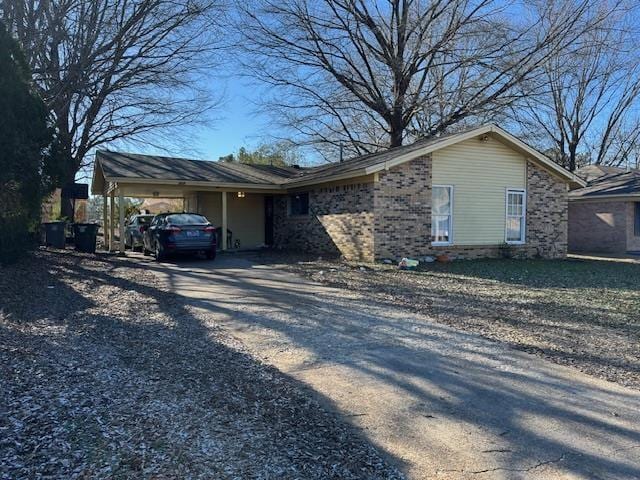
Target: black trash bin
(85, 236)
(54, 234)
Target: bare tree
(116, 69)
(587, 108)
(369, 74)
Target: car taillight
(209, 229)
(141, 229)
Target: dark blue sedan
(179, 233)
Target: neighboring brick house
(471, 194)
(604, 217)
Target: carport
(235, 197)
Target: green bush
(26, 146)
(15, 238)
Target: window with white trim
(442, 215)
(516, 216)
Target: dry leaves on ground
(103, 374)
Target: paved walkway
(441, 403)
(606, 257)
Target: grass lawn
(574, 312)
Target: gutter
(188, 183)
(596, 198)
(332, 178)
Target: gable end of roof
(505, 136)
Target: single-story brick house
(604, 216)
(466, 194)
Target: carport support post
(121, 220)
(224, 221)
(105, 221)
(112, 222)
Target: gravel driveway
(105, 374)
(440, 402)
(584, 312)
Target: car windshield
(186, 219)
(145, 220)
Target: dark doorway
(268, 221)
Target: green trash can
(54, 234)
(85, 236)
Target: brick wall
(391, 218)
(403, 216)
(340, 222)
(598, 227)
(547, 214)
(402, 206)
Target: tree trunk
(573, 149)
(68, 164)
(67, 204)
(396, 130)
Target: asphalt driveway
(441, 403)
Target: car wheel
(129, 243)
(211, 254)
(158, 252)
(137, 248)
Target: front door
(268, 220)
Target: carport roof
(132, 165)
(128, 167)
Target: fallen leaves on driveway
(105, 374)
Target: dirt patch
(105, 374)
(585, 314)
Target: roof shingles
(624, 183)
(131, 165)
(135, 167)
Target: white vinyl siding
(480, 172)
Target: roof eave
(595, 197)
(192, 183)
(331, 178)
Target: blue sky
(236, 123)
